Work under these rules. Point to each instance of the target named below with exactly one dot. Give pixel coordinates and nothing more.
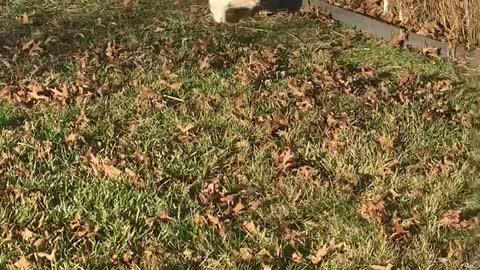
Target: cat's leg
(219, 9)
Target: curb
(386, 31)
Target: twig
(174, 98)
(254, 29)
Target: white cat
(220, 7)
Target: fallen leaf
(386, 143)
(128, 5)
(136, 180)
(26, 234)
(250, 227)
(431, 52)
(408, 78)
(218, 224)
(111, 52)
(238, 208)
(398, 39)
(453, 219)
(127, 257)
(297, 257)
(285, 159)
(389, 266)
(81, 121)
(24, 19)
(306, 172)
(265, 266)
(163, 216)
(321, 253)
(110, 170)
(71, 139)
(246, 254)
(40, 243)
(23, 263)
(173, 86)
(373, 209)
(398, 229)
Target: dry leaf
(321, 252)
(23, 263)
(407, 78)
(128, 5)
(40, 243)
(381, 267)
(219, 225)
(136, 180)
(306, 172)
(371, 210)
(238, 208)
(250, 227)
(398, 39)
(110, 170)
(246, 254)
(386, 143)
(285, 160)
(26, 234)
(398, 230)
(297, 257)
(24, 19)
(71, 139)
(454, 219)
(163, 216)
(431, 52)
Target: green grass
(47, 183)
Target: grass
(207, 132)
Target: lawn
(155, 139)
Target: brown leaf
(250, 227)
(407, 78)
(389, 266)
(111, 52)
(285, 160)
(127, 257)
(40, 243)
(186, 129)
(219, 225)
(306, 172)
(454, 219)
(398, 230)
(431, 52)
(238, 208)
(110, 170)
(204, 63)
(24, 19)
(297, 257)
(246, 254)
(321, 252)
(23, 263)
(163, 216)
(136, 180)
(173, 86)
(27, 234)
(373, 209)
(50, 257)
(386, 143)
(81, 121)
(128, 5)
(369, 73)
(398, 39)
(71, 139)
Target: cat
(219, 7)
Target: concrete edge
(386, 31)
